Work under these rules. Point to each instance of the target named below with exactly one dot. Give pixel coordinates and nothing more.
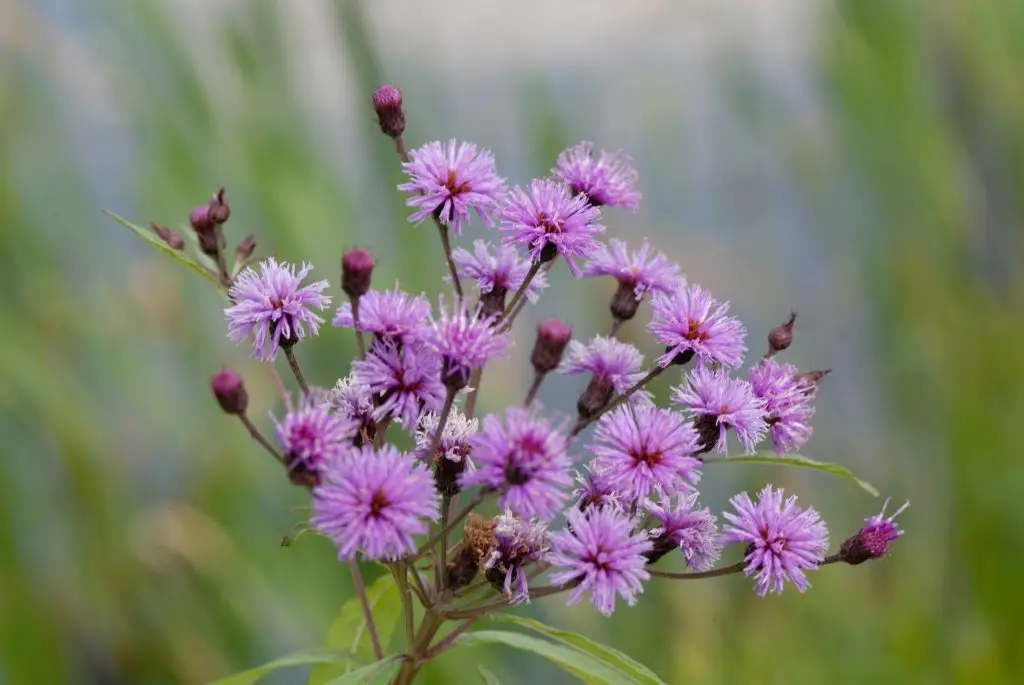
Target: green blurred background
(860, 161)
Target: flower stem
(474, 383)
(442, 554)
(357, 583)
(713, 573)
(258, 437)
(402, 580)
(451, 524)
(447, 245)
(446, 410)
(355, 327)
(294, 364)
(538, 378)
(617, 400)
(534, 268)
(449, 639)
(616, 325)
(400, 149)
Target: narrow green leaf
(348, 631)
(798, 461)
(577, 663)
(385, 668)
(301, 658)
(627, 665)
(488, 677)
(176, 255)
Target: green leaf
(348, 631)
(627, 665)
(383, 669)
(300, 658)
(176, 255)
(798, 461)
(579, 664)
(488, 677)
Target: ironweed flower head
(595, 489)
(274, 307)
(788, 407)
(640, 272)
(718, 403)
(690, 323)
(312, 434)
(391, 315)
(517, 543)
(464, 342)
(497, 270)
(601, 552)
(453, 454)
(354, 402)
(684, 527)
(405, 381)
(374, 501)
(646, 450)
(783, 541)
(523, 457)
(447, 180)
(609, 180)
(548, 220)
(873, 540)
(618, 364)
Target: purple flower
(517, 543)
(788, 404)
(613, 361)
(503, 270)
(464, 342)
(273, 307)
(689, 322)
(872, 541)
(645, 270)
(549, 221)
(595, 490)
(353, 401)
(391, 315)
(448, 180)
(312, 434)
(600, 551)
(524, 458)
(688, 529)
(645, 450)
(454, 445)
(717, 403)
(610, 180)
(374, 501)
(782, 540)
(406, 382)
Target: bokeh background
(861, 162)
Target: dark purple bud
(356, 268)
(173, 240)
(220, 211)
(387, 102)
(810, 379)
(873, 540)
(205, 218)
(595, 397)
(245, 248)
(230, 392)
(624, 302)
(552, 337)
(781, 336)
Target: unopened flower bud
(552, 337)
(387, 102)
(356, 268)
(810, 379)
(230, 392)
(207, 217)
(595, 398)
(173, 240)
(872, 541)
(245, 249)
(781, 336)
(624, 302)
(220, 211)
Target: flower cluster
(635, 499)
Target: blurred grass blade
(380, 670)
(797, 461)
(612, 657)
(176, 255)
(579, 664)
(304, 657)
(488, 677)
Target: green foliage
(301, 658)
(488, 677)
(377, 672)
(798, 461)
(176, 255)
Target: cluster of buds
(627, 497)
